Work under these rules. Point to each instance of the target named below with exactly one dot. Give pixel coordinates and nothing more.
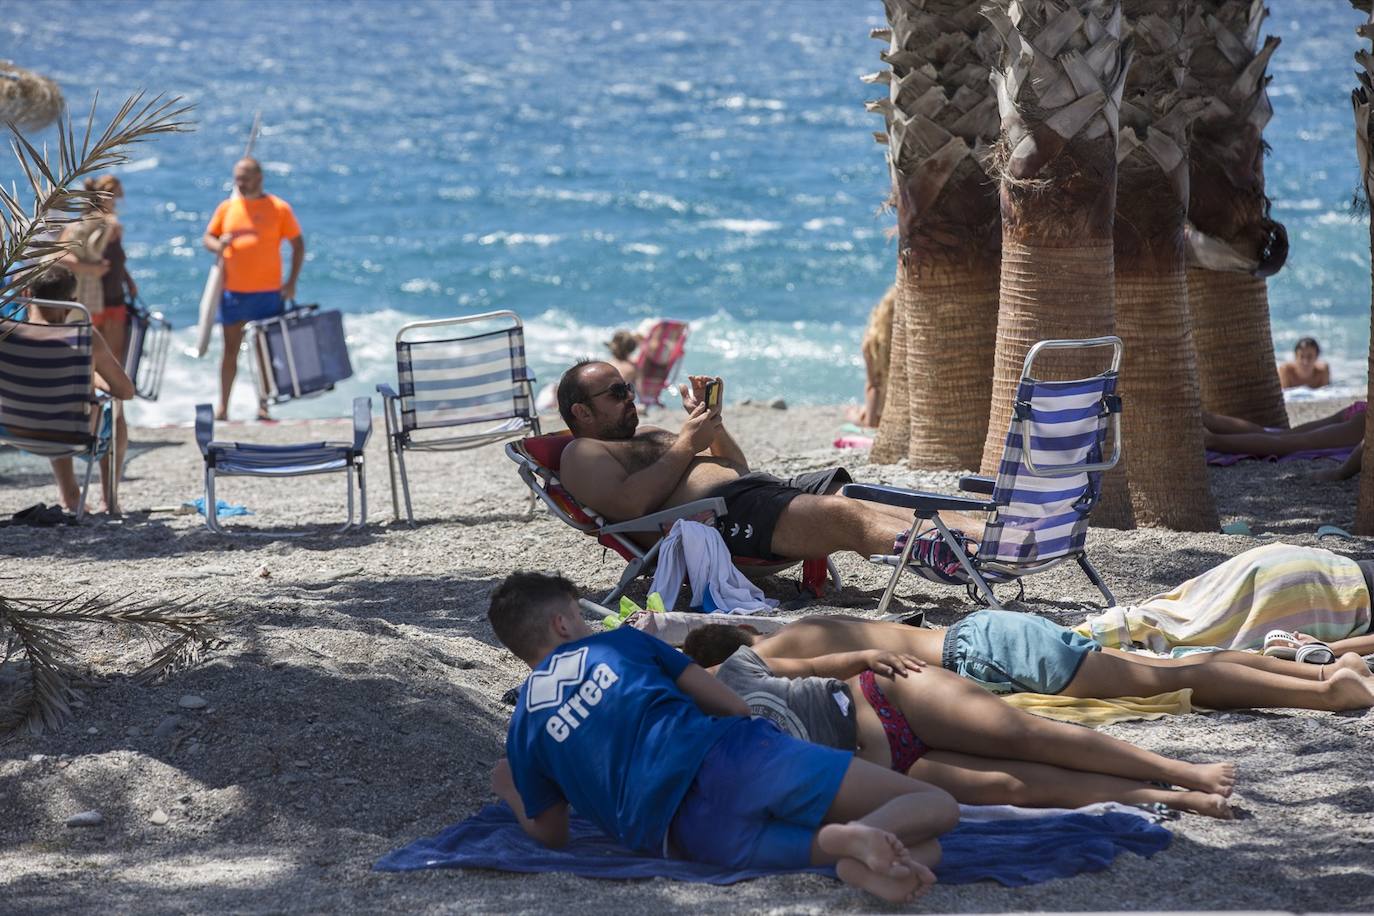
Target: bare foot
(1349, 690)
(1204, 803)
(879, 851)
(894, 890)
(1353, 662)
(221, 415)
(1215, 778)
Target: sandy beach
(356, 702)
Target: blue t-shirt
(602, 724)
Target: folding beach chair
(48, 405)
(538, 459)
(241, 459)
(145, 357)
(658, 358)
(463, 384)
(1048, 482)
(299, 353)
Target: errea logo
(547, 689)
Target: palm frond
(31, 629)
(28, 246)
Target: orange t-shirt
(252, 261)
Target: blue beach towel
(1010, 852)
(223, 508)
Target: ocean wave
(745, 226)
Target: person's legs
(817, 525)
(952, 714)
(67, 488)
(974, 780)
(1333, 435)
(110, 473)
(1220, 423)
(1222, 684)
(229, 366)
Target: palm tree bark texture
(1363, 100)
(940, 121)
(1059, 84)
(1162, 425)
(1233, 243)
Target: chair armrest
(977, 483)
(387, 392)
(916, 501)
(654, 521)
(362, 422)
(205, 427)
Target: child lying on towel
(937, 727)
(1006, 652)
(665, 759)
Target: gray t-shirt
(815, 709)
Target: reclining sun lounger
(1048, 482)
(658, 358)
(538, 459)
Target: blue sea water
(592, 163)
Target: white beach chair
(463, 384)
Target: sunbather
(939, 728)
(663, 757)
(1343, 429)
(57, 284)
(623, 471)
(1006, 652)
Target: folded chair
(299, 353)
(145, 356)
(463, 384)
(538, 459)
(658, 358)
(1047, 484)
(243, 459)
(48, 405)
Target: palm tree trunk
(940, 120)
(1363, 100)
(1233, 244)
(1162, 421)
(1059, 84)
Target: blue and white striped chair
(457, 391)
(1042, 497)
(48, 404)
(244, 459)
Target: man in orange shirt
(247, 231)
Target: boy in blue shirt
(665, 759)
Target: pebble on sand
(86, 819)
(158, 817)
(191, 701)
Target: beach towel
(223, 508)
(1226, 459)
(1092, 713)
(1011, 850)
(1232, 606)
(698, 553)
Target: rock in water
(778, 404)
(191, 701)
(86, 819)
(158, 817)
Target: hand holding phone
(712, 394)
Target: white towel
(698, 552)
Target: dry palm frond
(28, 100)
(29, 242)
(35, 644)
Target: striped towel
(1232, 606)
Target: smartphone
(712, 398)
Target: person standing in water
(247, 231)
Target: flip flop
(1315, 653)
(1281, 644)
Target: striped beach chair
(48, 404)
(1038, 506)
(463, 384)
(658, 357)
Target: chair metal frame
(97, 444)
(349, 460)
(926, 506)
(145, 351)
(399, 439)
(639, 560)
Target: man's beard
(624, 428)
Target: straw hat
(30, 101)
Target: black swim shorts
(754, 502)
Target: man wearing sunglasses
(623, 470)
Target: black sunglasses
(621, 391)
